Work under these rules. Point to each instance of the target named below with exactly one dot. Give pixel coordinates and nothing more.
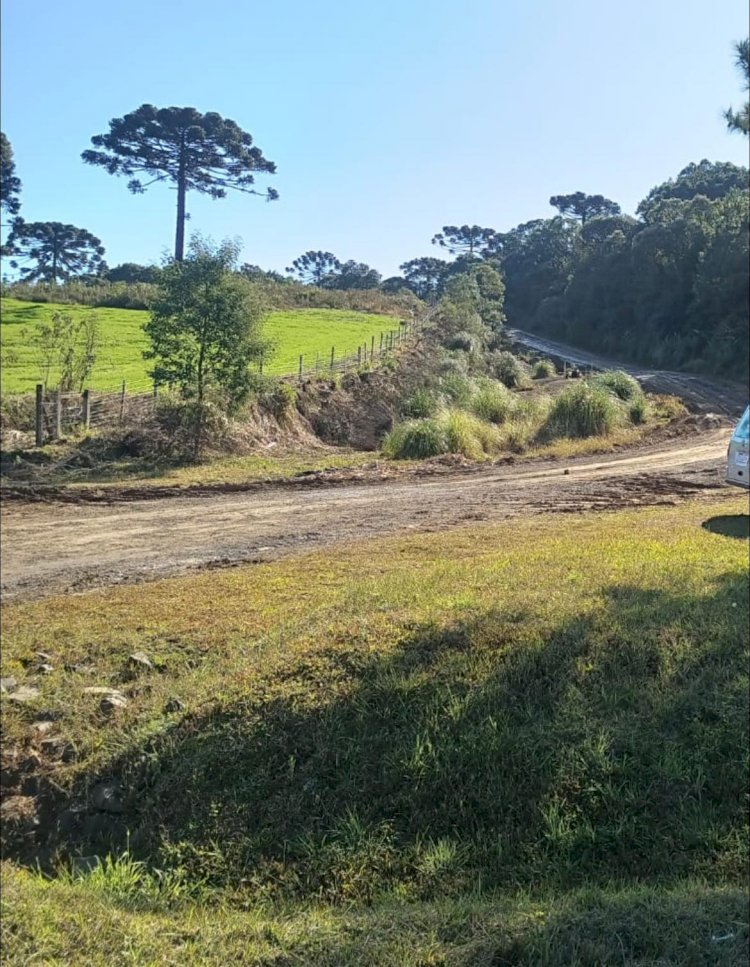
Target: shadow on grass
(729, 525)
(484, 755)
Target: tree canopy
(178, 145)
(204, 326)
(353, 275)
(314, 267)
(424, 276)
(712, 179)
(582, 206)
(56, 252)
(471, 240)
(132, 272)
(740, 120)
(10, 183)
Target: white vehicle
(738, 472)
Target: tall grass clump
(543, 369)
(457, 389)
(467, 434)
(508, 370)
(416, 440)
(421, 404)
(493, 402)
(624, 387)
(582, 411)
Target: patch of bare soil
(91, 545)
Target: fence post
(359, 355)
(58, 415)
(122, 402)
(156, 389)
(333, 350)
(86, 409)
(300, 368)
(39, 416)
(260, 367)
(372, 349)
(381, 342)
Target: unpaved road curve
(49, 549)
(700, 394)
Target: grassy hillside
(517, 743)
(299, 331)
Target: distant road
(700, 393)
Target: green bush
(422, 403)
(457, 389)
(466, 434)
(463, 341)
(582, 411)
(624, 387)
(416, 440)
(543, 369)
(638, 411)
(492, 403)
(508, 370)
(280, 399)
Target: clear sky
(386, 120)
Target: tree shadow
(729, 525)
(478, 754)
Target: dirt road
(50, 549)
(700, 394)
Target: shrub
(184, 428)
(508, 369)
(463, 341)
(543, 369)
(466, 434)
(280, 399)
(638, 411)
(457, 388)
(582, 411)
(621, 385)
(422, 403)
(493, 403)
(416, 439)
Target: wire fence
(57, 414)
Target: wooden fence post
(381, 342)
(300, 368)
(86, 409)
(372, 349)
(156, 389)
(333, 351)
(122, 402)
(359, 355)
(58, 415)
(39, 414)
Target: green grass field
(522, 743)
(310, 332)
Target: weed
(543, 369)
(582, 411)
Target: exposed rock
(45, 668)
(56, 747)
(139, 661)
(174, 705)
(43, 727)
(8, 685)
(106, 797)
(114, 702)
(26, 693)
(19, 815)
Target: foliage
(280, 399)
(195, 152)
(464, 341)
(57, 251)
(457, 388)
(740, 120)
(493, 402)
(470, 240)
(582, 206)
(422, 403)
(314, 267)
(352, 275)
(130, 272)
(543, 369)
(624, 387)
(582, 411)
(66, 350)
(416, 440)
(508, 369)
(204, 325)
(424, 276)
(10, 183)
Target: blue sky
(386, 120)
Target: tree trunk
(179, 241)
